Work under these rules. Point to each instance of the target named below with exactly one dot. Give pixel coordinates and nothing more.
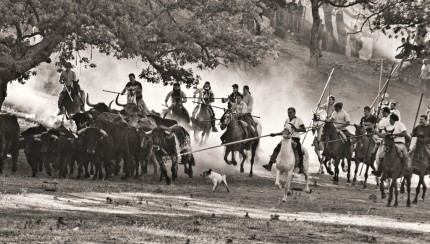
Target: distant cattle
(9, 139)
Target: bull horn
(165, 128)
(55, 137)
(148, 133)
(104, 134)
(67, 115)
(88, 101)
(117, 103)
(110, 105)
(82, 130)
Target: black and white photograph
(214, 121)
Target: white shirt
(384, 123)
(340, 118)
(297, 122)
(398, 127)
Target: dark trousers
(278, 148)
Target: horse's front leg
(382, 188)
(336, 171)
(278, 175)
(354, 180)
(366, 174)
(329, 171)
(287, 189)
(244, 157)
(227, 152)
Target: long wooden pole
(319, 101)
(393, 69)
(418, 111)
(230, 143)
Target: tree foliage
(166, 34)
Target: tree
(165, 34)
(316, 21)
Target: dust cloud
(275, 86)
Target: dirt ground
(45, 209)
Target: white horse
(286, 160)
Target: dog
(216, 179)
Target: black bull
(33, 147)
(170, 143)
(9, 139)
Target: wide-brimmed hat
(68, 65)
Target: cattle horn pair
(88, 101)
(117, 103)
(104, 134)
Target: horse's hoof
(388, 205)
(235, 163)
(242, 170)
(395, 205)
(330, 172)
(284, 199)
(186, 170)
(402, 190)
(408, 205)
(279, 186)
(414, 202)
(383, 196)
(289, 193)
(364, 186)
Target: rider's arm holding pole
(167, 97)
(183, 97)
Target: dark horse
(202, 123)
(363, 153)
(72, 101)
(335, 149)
(392, 167)
(235, 132)
(420, 167)
(176, 112)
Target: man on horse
(249, 101)
(328, 108)
(368, 121)
(232, 97)
(398, 130)
(422, 133)
(394, 110)
(178, 98)
(68, 79)
(341, 121)
(134, 93)
(206, 96)
(298, 127)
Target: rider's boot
(407, 163)
(273, 157)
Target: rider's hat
(235, 86)
(68, 65)
(177, 84)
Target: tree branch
(18, 31)
(31, 3)
(332, 3)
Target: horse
(317, 126)
(72, 101)
(392, 167)
(363, 153)
(335, 149)
(420, 167)
(176, 112)
(235, 132)
(286, 161)
(202, 122)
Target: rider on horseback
(206, 96)
(422, 133)
(398, 130)
(232, 97)
(134, 93)
(327, 107)
(178, 98)
(298, 127)
(68, 79)
(368, 121)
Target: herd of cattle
(105, 137)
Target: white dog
(216, 178)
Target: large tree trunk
(331, 41)
(3, 90)
(341, 33)
(316, 21)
